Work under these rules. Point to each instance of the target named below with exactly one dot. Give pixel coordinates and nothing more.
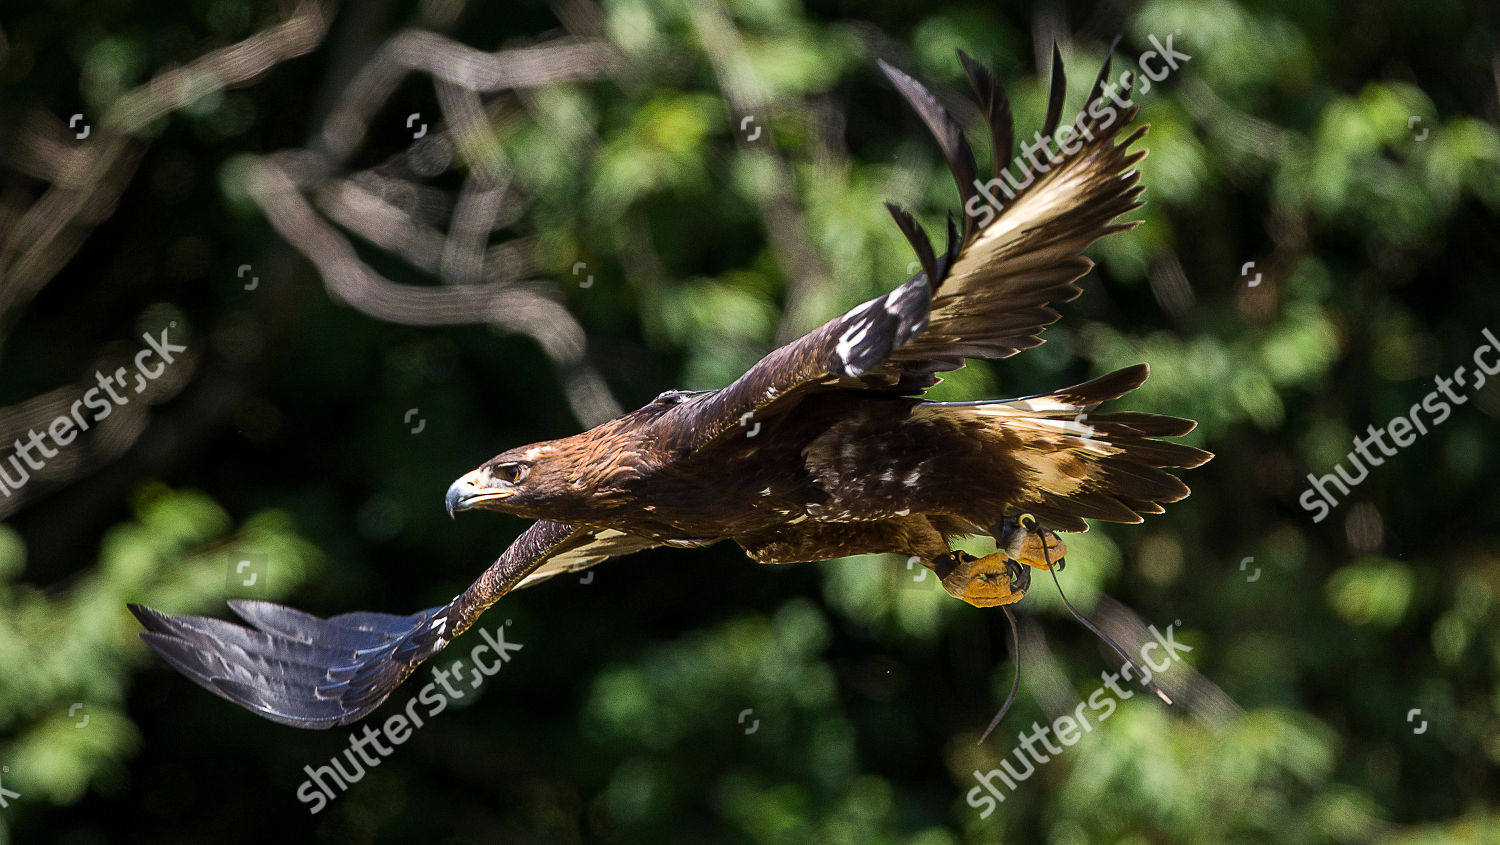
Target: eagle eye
(510, 473)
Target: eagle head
(510, 482)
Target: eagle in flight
(823, 449)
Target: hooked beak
(473, 489)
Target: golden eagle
(823, 449)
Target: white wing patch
(849, 341)
(1027, 413)
(1041, 405)
(893, 299)
(606, 543)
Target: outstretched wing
(604, 543)
(301, 670)
(990, 294)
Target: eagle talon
(1023, 538)
(1020, 576)
(988, 581)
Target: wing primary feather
(1055, 99)
(1097, 93)
(917, 237)
(1127, 84)
(302, 670)
(996, 105)
(949, 136)
(946, 260)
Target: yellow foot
(1024, 540)
(988, 581)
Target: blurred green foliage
(69, 652)
(1350, 151)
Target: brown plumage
(823, 449)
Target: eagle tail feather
(1076, 464)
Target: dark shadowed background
(399, 238)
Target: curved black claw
(1020, 575)
(293, 667)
